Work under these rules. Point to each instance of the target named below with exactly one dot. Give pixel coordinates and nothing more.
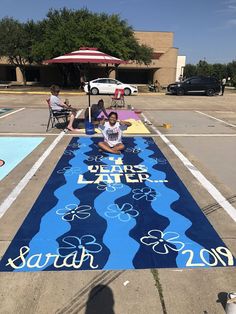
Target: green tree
(190, 70)
(67, 30)
(16, 41)
(219, 70)
(231, 71)
(204, 68)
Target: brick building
(164, 61)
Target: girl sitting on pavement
(112, 131)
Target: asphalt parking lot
(200, 144)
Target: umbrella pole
(90, 120)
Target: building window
(10, 73)
(32, 74)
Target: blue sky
(203, 29)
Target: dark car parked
(196, 84)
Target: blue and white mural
(103, 211)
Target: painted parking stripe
(219, 120)
(28, 134)
(212, 190)
(199, 135)
(125, 135)
(8, 114)
(79, 113)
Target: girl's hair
(101, 102)
(55, 89)
(113, 113)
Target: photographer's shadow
(222, 298)
(100, 301)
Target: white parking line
(200, 135)
(79, 113)
(219, 120)
(124, 135)
(28, 134)
(181, 135)
(8, 114)
(221, 200)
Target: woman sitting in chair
(58, 105)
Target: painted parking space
(14, 150)
(115, 212)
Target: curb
(67, 93)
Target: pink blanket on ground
(124, 114)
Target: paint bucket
(89, 128)
(231, 303)
(167, 125)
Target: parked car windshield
(105, 81)
(186, 80)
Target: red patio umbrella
(86, 55)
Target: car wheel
(210, 92)
(180, 92)
(127, 91)
(94, 91)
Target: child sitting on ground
(112, 132)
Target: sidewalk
(32, 90)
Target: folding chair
(118, 99)
(55, 116)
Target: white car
(108, 86)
